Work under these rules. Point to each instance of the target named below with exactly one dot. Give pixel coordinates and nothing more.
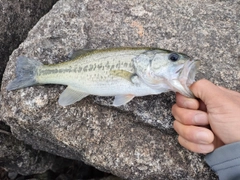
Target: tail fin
(25, 73)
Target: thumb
(208, 92)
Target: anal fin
(71, 95)
(122, 99)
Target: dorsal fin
(80, 52)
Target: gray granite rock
(20, 158)
(16, 19)
(135, 141)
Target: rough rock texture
(19, 158)
(16, 19)
(10, 160)
(135, 141)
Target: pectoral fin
(122, 99)
(135, 80)
(70, 96)
(123, 74)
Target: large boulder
(16, 19)
(17, 156)
(135, 141)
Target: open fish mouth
(189, 71)
(187, 76)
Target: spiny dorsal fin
(80, 52)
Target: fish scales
(92, 73)
(120, 72)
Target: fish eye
(174, 57)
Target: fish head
(165, 70)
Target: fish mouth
(187, 76)
(190, 70)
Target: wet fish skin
(157, 71)
(120, 72)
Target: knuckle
(185, 118)
(173, 108)
(175, 126)
(175, 111)
(188, 134)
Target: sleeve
(225, 161)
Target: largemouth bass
(120, 72)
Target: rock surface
(16, 19)
(135, 141)
(13, 152)
(21, 160)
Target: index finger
(185, 102)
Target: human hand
(209, 122)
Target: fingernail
(200, 119)
(202, 137)
(206, 148)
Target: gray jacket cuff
(225, 161)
